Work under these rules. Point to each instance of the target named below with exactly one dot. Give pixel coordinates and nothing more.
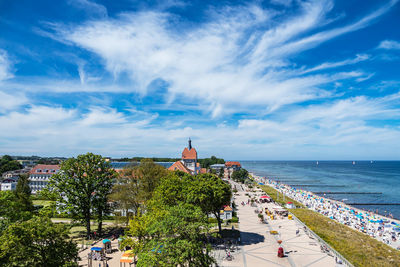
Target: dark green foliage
(23, 193)
(12, 210)
(8, 164)
(83, 185)
(240, 175)
(210, 193)
(35, 243)
(207, 162)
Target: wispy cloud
(330, 65)
(89, 6)
(389, 44)
(233, 59)
(5, 66)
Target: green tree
(135, 185)
(23, 193)
(171, 236)
(210, 193)
(83, 185)
(37, 242)
(8, 164)
(125, 192)
(11, 210)
(149, 175)
(240, 175)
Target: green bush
(212, 220)
(234, 220)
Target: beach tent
(290, 205)
(107, 245)
(127, 257)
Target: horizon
(267, 80)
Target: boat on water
(354, 163)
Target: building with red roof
(188, 163)
(230, 167)
(40, 175)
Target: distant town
(40, 169)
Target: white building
(8, 184)
(40, 175)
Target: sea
(378, 181)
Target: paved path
(259, 248)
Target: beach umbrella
(96, 249)
(106, 241)
(264, 197)
(127, 257)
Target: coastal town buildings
(8, 184)
(188, 163)
(40, 175)
(230, 167)
(10, 179)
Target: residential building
(230, 167)
(8, 184)
(40, 175)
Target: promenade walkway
(259, 248)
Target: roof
(232, 163)
(45, 169)
(178, 166)
(227, 208)
(217, 165)
(189, 154)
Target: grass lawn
(43, 203)
(274, 194)
(358, 248)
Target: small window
(38, 170)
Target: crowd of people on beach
(379, 227)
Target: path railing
(321, 241)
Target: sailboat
(317, 163)
(354, 163)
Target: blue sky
(277, 79)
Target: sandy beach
(384, 229)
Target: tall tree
(135, 185)
(23, 192)
(240, 175)
(83, 185)
(125, 192)
(149, 175)
(210, 193)
(171, 236)
(11, 210)
(35, 243)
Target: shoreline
(377, 217)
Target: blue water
(339, 176)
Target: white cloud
(218, 63)
(390, 45)
(330, 65)
(338, 130)
(11, 101)
(90, 7)
(5, 66)
(99, 116)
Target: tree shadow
(248, 238)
